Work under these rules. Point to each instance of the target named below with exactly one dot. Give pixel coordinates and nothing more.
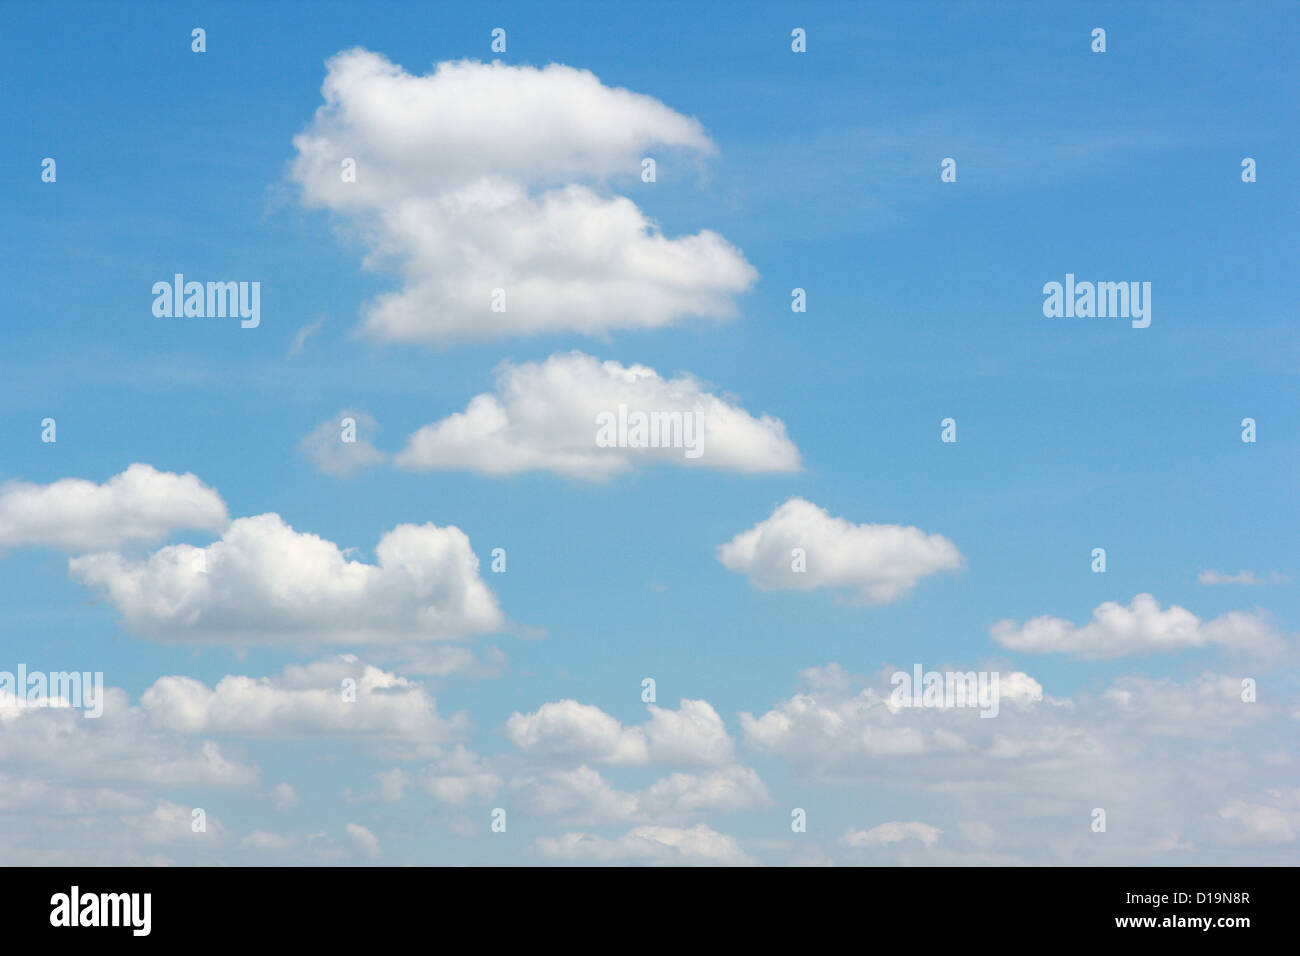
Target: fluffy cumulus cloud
(569, 730)
(336, 697)
(1141, 628)
(577, 416)
(265, 583)
(141, 505)
(655, 845)
(479, 177)
(801, 547)
(549, 777)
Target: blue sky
(924, 302)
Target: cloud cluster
(64, 776)
(550, 776)
(581, 796)
(1176, 765)
(477, 177)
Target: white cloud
(730, 788)
(89, 791)
(544, 417)
(303, 334)
(890, 833)
(285, 796)
(576, 796)
(568, 730)
(141, 504)
(581, 796)
(264, 583)
(334, 456)
(877, 562)
(1241, 577)
(1140, 628)
(305, 701)
(460, 778)
(1162, 757)
(1273, 820)
(672, 846)
(835, 725)
(484, 176)
(309, 848)
(1209, 704)
(365, 841)
(266, 841)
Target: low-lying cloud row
(263, 582)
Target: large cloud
(141, 504)
(878, 563)
(265, 583)
(544, 416)
(1140, 628)
(479, 176)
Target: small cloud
(1241, 577)
(888, 833)
(284, 796)
(341, 445)
(304, 333)
(801, 547)
(366, 841)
